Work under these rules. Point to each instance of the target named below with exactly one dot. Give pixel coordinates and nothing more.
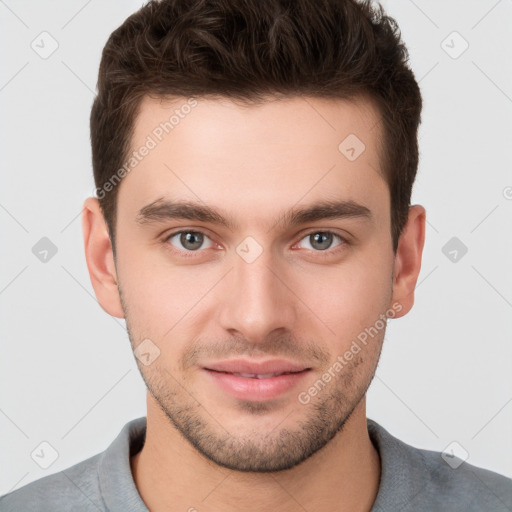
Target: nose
(258, 299)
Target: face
(246, 236)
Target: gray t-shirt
(411, 480)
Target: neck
(170, 474)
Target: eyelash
(191, 254)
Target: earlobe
(407, 263)
(100, 259)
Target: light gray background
(67, 373)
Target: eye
(322, 240)
(190, 241)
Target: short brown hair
(246, 50)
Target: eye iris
(323, 239)
(191, 240)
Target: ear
(100, 258)
(407, 263)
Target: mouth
(257, 375)
(256, 387)
(253, 367)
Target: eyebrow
(162, 210)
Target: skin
(204, 448)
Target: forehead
(293, 120)
(258, 156)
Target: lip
(258, 367)
(253, 388)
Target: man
(254, 162)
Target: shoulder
(75, 488)
(100, 483)
(418, 479)
(465, 487)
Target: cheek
(160, 298)
(350, 297)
